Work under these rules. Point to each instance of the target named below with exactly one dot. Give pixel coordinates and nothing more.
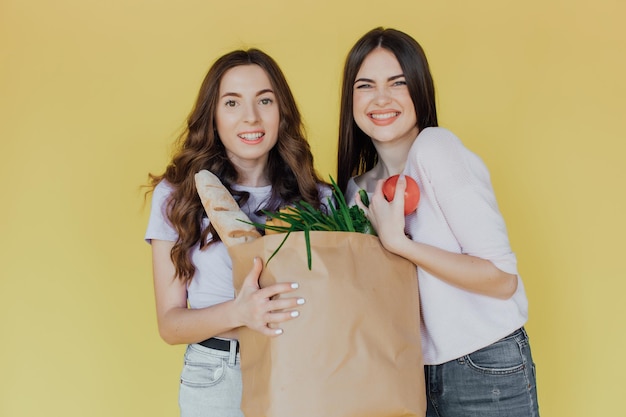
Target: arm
(463, 271)
(253, 307)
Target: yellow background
(93, 93)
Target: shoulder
(163, 188)
(439, 153)
(436, 139)
(436, 146)
(161, 193)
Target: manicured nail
(295, 314)
(295, 285)
(278, 331)
(300, 301)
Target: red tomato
(411, 194)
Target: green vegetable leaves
(304, 217)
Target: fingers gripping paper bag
(355, 349)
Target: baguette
(223, 211)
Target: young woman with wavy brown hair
(245, 128)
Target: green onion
(304, 217)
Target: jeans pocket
(202, 369)
(500, 358)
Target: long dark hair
(356, 153)
(290, 162)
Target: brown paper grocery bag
(354, 351)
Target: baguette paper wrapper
(355, 349)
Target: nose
(251, 114)
(383, 96)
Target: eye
(399, 83)
(230, 103)
(363, 86)
(266, 101)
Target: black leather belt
(218, 344)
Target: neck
(391, 157)
(253, 175)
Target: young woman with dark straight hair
(476, 350)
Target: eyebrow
(395, 77)
(260, 93)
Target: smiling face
(247, 115)
(382, 106)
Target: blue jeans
(210, 383)
(496, 381)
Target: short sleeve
(159, 226)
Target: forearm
(181, 325)
(177, 323)
(467, 272)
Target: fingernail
(300, 301)
(295, 285)
(295, 313)
(278, 331)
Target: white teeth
(251, 136)
(384, 115)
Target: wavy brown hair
(290, 162)
(356, 153)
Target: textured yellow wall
(92, 94)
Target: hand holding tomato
(388, 218)
(411, 193)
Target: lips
(382, 118)
(251, 137)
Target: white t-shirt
(458, 212)
(212, 282)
